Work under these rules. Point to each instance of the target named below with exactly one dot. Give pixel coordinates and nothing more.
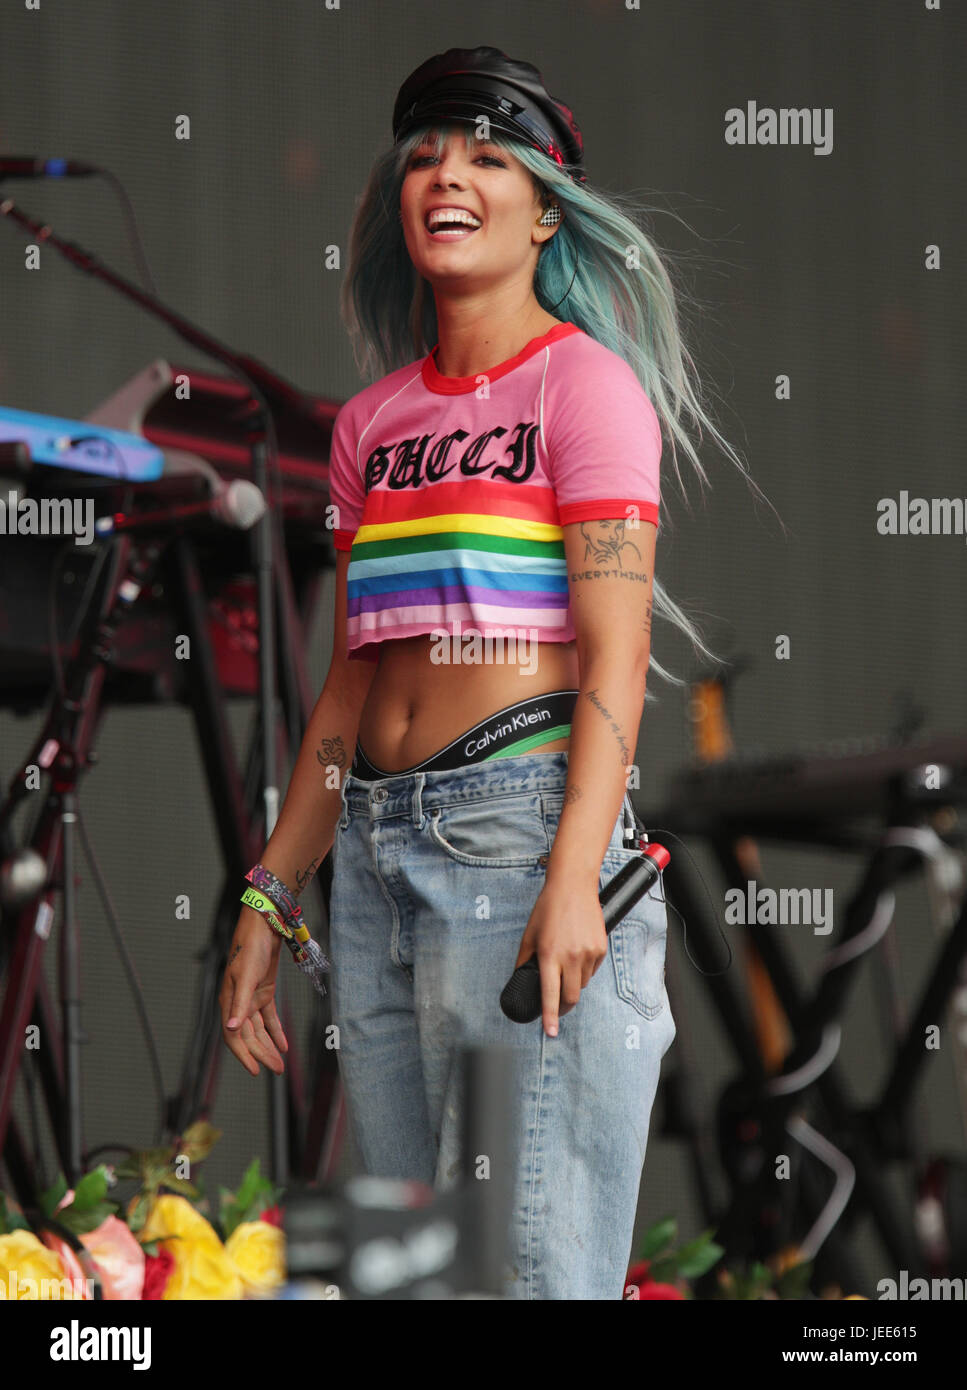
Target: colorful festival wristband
(264, 879)
(253, 898)
(306, 953)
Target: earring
(550, 217)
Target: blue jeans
(435, 875)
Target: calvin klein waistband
(506, 734)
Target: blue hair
(600, 269)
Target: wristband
(306, 953)
(265, 880)
(253, 898)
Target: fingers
(251, 1034)
(562, 981)
(260, 1045)
(273, 1025)
(551, 1004)
(251, 1044)
(239, 1002)
(232, 1035)
(237, 1047)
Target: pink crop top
(451, 492)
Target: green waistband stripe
(534, 741)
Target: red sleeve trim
(606, 509)
(343, 540)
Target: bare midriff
(415, 707)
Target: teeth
(439, 215)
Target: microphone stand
(264, 386)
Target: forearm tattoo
(572, 794)
(303, 876)
(332, 752)
(625, 755)
(608, 574)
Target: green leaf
(230, 1218)
(91, 1189)
(700, 1261)
(657, 1237)
(262, 1202)
(80, 1222)
(692, 1247)
(255, 1193)
(47, 1201)
(157, 1163)
(139, 1212)
(180, 1185)
(250, 1184)
(664, 1271)
(198, 1140)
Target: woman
(467, 760)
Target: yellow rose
(258, 1251)
(29, 1270)
(203, 1269)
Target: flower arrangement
(160, 1245)
(164, 1244)
(663, 1272)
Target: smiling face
(498, 236)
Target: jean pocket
(499, 832)
(637, 944)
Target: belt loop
(419, 819)
(344, 814)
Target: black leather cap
(464, 84)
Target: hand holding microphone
(521, 996)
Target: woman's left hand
(566, 933)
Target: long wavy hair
(600, 269)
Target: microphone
(521, 995)
(33, 167)
(238, 504)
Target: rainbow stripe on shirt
(458, 554)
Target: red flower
(157, 1269)
(638, 1277)
(273, 1215)
(651, 1290)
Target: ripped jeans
(435, 877)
